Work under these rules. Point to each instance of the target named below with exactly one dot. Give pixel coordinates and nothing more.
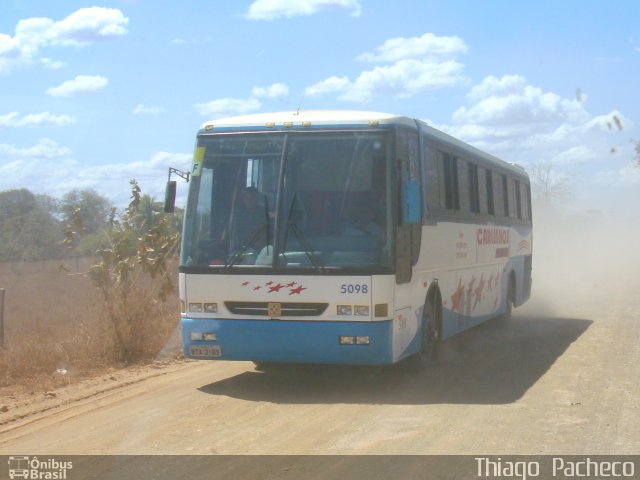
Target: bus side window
(490, 194)
(463, 184)
(513, 203)
(474, 194)
(481, 181)
(449, 184)
(498, 195)
(505, 195)
(526, 207)
(518, 199)
(433, 179)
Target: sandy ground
(540, 383)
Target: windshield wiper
(308, 249)
(265, 226)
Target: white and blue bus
(346, 237)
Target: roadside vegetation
(88, 287)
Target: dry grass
(56, 320)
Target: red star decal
(296, 290)
(456, 298)
(257, 288)
(490, 283)
(478, 291)
(496, 279)
(244, 284)
(269, 283)
(276, 288)
(470, 286)
(291, 284)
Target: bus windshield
(319, 199)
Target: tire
(511, 296)
(430, 336)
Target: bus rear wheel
(511, 298)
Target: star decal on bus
(478, 291)
(275, 288)
(297, 290)
(457, 297)
(490, 283)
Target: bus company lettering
(493, 236)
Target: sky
(94, 93)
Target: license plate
(205, 350)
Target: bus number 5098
(354, 288)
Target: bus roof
(315, 117)
(345, 118)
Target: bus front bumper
(288, 341)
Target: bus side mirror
(170, 197)
(410, 202)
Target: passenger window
(463, 184)
(505, 195)
(474, 194)
(490, 198)
(498, 195)
(431, 169)
(518, 199)
(450, 181)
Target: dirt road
(540, 383)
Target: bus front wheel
(429, 338)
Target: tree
(91, 208)
(549, 186)
(134, 274)
(29, 229)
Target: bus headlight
(211, 308)
(364, 340)
(209, 337)
(345, 310)
(195, 336)
(347, 340)
(361, 310)
(195, 307)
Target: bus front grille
(289, 309)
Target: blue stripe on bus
(293, 341)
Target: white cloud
(43, 119)
(51, 64)
(426, 46)
(404, 78)
(277, 91)
(329, 85)
(272, 9)
(80, 84)
(65, 173)
(142, 109)
(43, 149)
(418, 64)
(88, 25)
(626, 176)
(83, 27)
(228, 106)
(522, 123)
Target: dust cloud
(585, 263)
